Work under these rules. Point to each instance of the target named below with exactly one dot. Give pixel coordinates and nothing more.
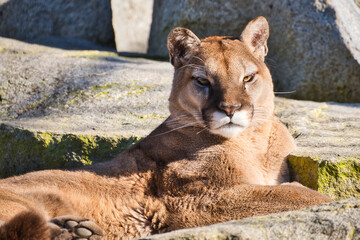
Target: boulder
(313, 45)
(336, 220)
(347, 20)
(327, 135)
(62, 108)
(81, 92)
(36, 20)
(131, 22)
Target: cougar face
(220, 83)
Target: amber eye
(202, 81)
(249, 78)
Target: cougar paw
(74, 227)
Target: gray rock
(63, 109)
(53, 90)
(131, 22)
(326, 130)
(307, 52)
(347, 20)
(327, 135)
(337, 220)
(35, 19)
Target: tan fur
(25, 225)
(196, 168)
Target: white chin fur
(220, 124)
(228, 131)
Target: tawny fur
(195, 168)
(25, 226)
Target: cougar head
(221, 83)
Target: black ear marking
(181, 43)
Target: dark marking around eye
(201, 81)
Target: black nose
(229, 109)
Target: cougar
(220, 155)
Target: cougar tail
(25, 226)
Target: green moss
(304, 170)
(150, 116)
(23, 151)
(97, 87)
(97, 75)
(34, 105)
(101, 94)
(339, 179)
(90, 53)
(76, 96)
(319, 115)
(18, 52)
(137, 89)
(351, 234)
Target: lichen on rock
(22, 151)
(337, 179)
(340, 179)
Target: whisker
(198, 58)
(193, 66)
(184, 126)
(174, 125)
(183, 117)
(262, 111)
(177, 120)
(189, 115)
(285, 92)
(205, 128)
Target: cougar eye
(249, 78)
(201, 81)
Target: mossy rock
(337, 179)
(22, 151)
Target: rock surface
(36, 20)
(70, 108)
(63, 108)
(81, 92)
(328, 145)
(307, 52)
(347, 20)
(337, 220)
(131, 20)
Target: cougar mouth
(229, 127)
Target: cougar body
(220, 155)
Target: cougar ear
(255, 37)
(181, 43)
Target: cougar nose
(229, 110)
